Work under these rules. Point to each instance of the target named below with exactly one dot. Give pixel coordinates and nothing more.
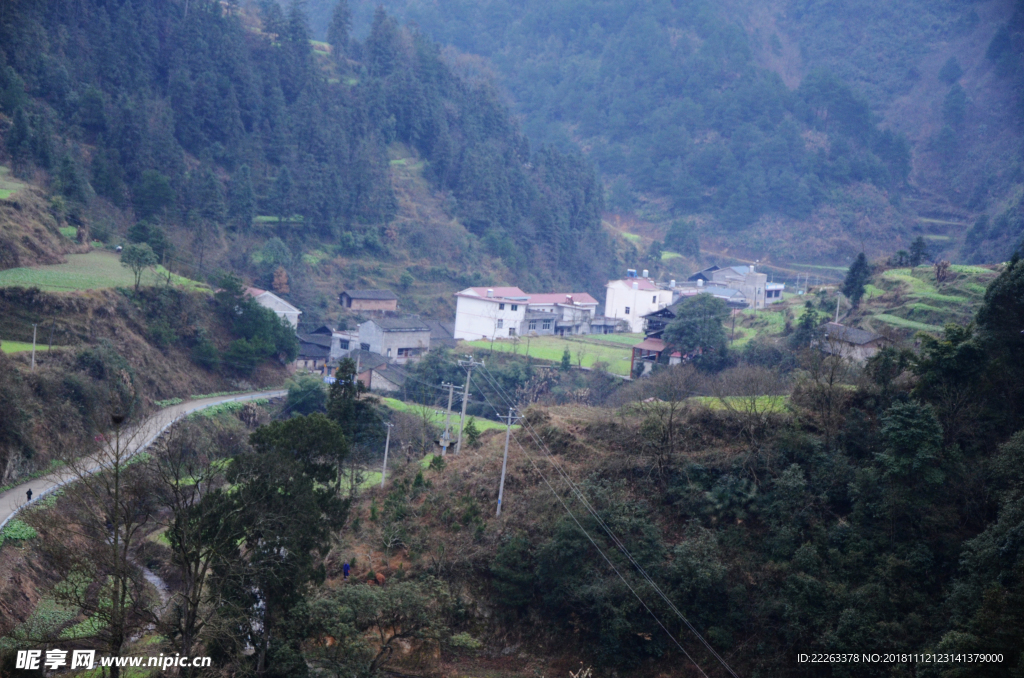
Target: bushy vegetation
(215, 124)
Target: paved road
(13, 500)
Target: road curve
(14, 500)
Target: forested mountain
(731, 112)
(209, 126)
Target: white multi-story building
(631, 299)
(501, 312)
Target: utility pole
(49, 344)
(839, 296)
(511, 419)
(469, 365)
(446, 437)
(387, 444)
(33, 347)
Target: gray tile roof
(408, 324)
(318, 339)
(441, 333)
(375, 295)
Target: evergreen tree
(19, 142)
(856, 277)
(242, 198)
(338, 30)
(284, 190)
(918, 251)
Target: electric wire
(604, 556)
(611, 535)
(582, 498)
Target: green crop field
(552, 348)
(92, 271)
(8, 184)
(437, 417)
(20, 346)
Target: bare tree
(661, 401)
(185, 472)
(93, 536)
(754, 395)
(824, 390)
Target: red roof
(254, 291)
(651, 345)
(560, 298)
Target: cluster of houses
(382, 346)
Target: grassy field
(914, 301)
(20, 346)
(92, 271)
(8, 184)
(552, 348)
(437, 417)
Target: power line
(618, 543)
(611, 564)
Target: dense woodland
(210, 121)
(682, 101)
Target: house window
(627, 310)
(365, 347)
(501, 307)
(389, 352)
(654, 299)
(533, 324)
(511, 331)
(546, 325)
(501, 323)
(515, 307)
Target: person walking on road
(29, 494)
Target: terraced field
(911, 299)
(92, 271)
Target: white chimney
(672, 284)
(490, 292)
(636, 286)
(645, 273)
(700, 282)
(751, 268)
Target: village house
(631, 299)
(399, 340)
(750, 287)
(648, 352)
(851, 342)
(497, 312)
(314, 353)
(276, 304)
(383, 301)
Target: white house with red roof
(276, 304)
(501, 312)
(633, 298)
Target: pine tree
(337, 32)
(242, 198)
(856, 277)
(918, 251)
(284, 188)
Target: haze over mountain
(780, 120)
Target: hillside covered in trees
(740, 115)
(209, 130)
